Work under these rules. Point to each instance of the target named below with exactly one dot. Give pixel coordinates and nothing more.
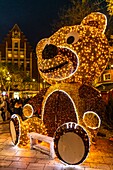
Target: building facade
(16, 51)
(105, 82)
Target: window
(28, 66)
(107, 77)
(28, 73)
(22, 54)
(16, 45)
(22, 66)
(15, 54)
(9, 54)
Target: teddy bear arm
(36, 101)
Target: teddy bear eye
(70, 40)
(72, 37)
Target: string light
(91, 45)
(19, 129)
(81, 56)
(91, 120)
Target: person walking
(3, 107)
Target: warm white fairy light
(90, 45)
(80, 61)
(64, 93)
(78, 135)
(13, 127)
(91, 119)
(28, 110)
(33, 124)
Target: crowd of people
(9, 106)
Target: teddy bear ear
(96, 19)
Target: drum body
(71, 143)
(15, 128)
(19, 129)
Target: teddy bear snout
(50, 51)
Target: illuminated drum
(15, 128)
(71, 143)
(28, 111)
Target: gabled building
(16, 50)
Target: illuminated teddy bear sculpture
(70, 60)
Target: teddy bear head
(76, 53)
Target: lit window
(15, 56)
(21, 56)
(28, 73)
(107, 77)
(9, 55)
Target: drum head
(91, 120)
(15, 129)
(28, 111)
(71, 143)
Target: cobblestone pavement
(13, 158)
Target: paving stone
(49, 167)
(43, 161)
(2, 157)
(18, 164)
(42, 155)
(12, 158)
(8, 152)
(26, 153)
(2, 168)
(36, 166)
(27, 159)
(4, 163)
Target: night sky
(34, 17)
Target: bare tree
(78, 9)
